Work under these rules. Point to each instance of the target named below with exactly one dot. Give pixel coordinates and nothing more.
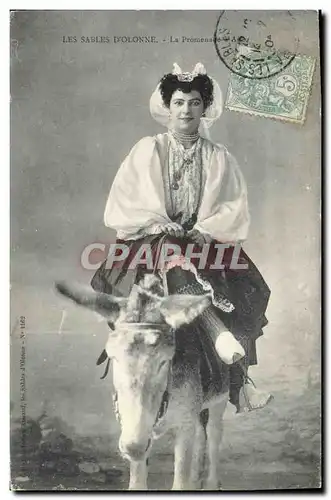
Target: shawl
(137, 198)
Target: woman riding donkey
(181, 188)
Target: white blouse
(184, 178)
(155, 185)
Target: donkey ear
(107, 305)
(182, 309)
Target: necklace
(186, 160)
(176, 155)
(185, 138)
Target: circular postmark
(256, 44)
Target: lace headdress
(161, 114)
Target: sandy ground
(274, 448)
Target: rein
(165, 398)
(163, 406)
(166, 394)
(101, 359)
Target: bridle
(162, 409)
(160, 414)
(166, 394)
(165, 398)
(163, 405)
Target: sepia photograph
(165, 250)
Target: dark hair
(201, 83)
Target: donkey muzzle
(134, 451)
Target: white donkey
(154, 394)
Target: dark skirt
(244, 289)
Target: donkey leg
(199, 455)
(183, 457)
(138, 475)
(214, 438)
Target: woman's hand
(199, 238)
(174, 229)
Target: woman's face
(186, 111)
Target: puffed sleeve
(136, 198)
(224, 213)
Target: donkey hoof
(213, 485)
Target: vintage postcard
(165, 250)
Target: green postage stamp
(283, 96)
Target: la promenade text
(135, 39)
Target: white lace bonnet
(160, 112)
